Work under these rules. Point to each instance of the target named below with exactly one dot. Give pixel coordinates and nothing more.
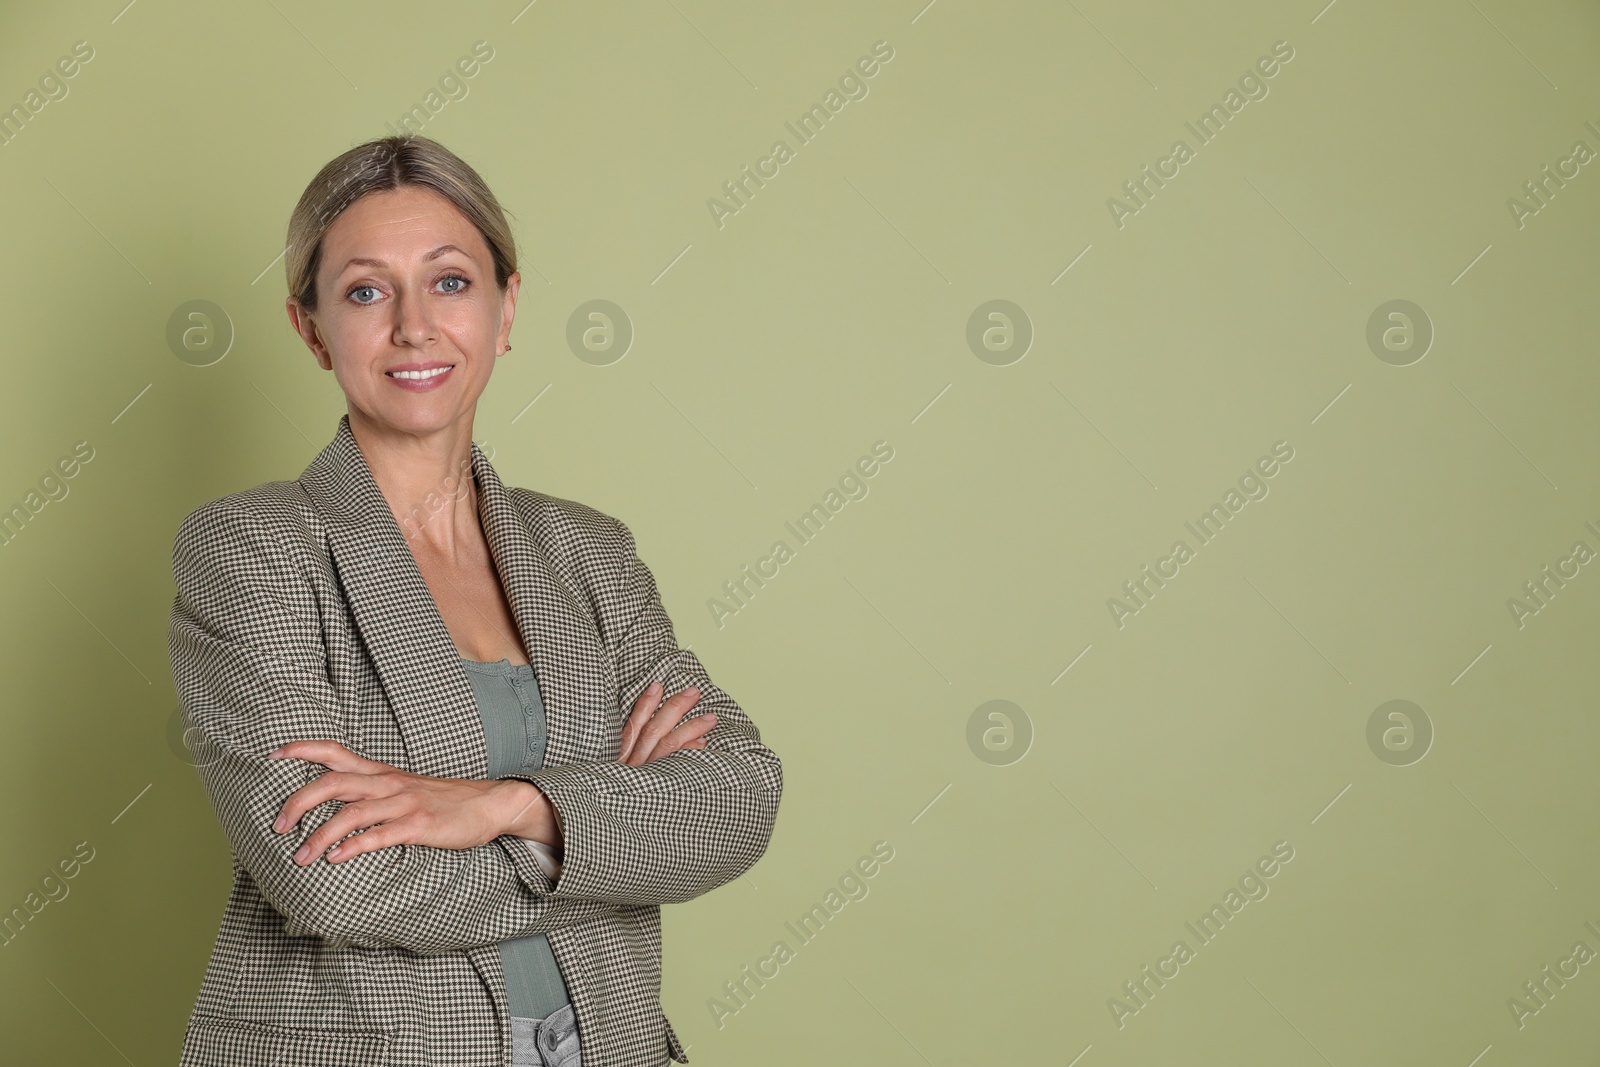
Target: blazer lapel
(577, 682)
(416, 659)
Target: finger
(399, 831)
(698, 742)
(694, 727)
(667, 716)
(330, 785)
(330, 754)
(347, 820)
(660, 725)
(631, 725)
(642, 709)
(694, 730)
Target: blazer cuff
(585, 867)
(557, 784)
(545, 857)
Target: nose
(413, 325)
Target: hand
(395, 807)
(653, 732)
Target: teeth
(434, 373)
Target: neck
(426, 479)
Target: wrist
(525, 811)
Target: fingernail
(278, 825)
(303, 854)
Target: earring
(505, 350)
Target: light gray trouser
(548, 1042)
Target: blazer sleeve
(679, 825)
(250, 669)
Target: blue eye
(465, 284)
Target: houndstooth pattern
(301, 614)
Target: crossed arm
(388, 806)
(248, 663)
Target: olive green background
(1158, 760)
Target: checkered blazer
(301, 614)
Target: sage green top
(514, 734)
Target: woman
(450, 845)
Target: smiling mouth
(418, 375)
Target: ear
(508, 312)
(306, 326)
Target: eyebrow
(435, 254)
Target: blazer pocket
(215, 1041)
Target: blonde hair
(382, 164)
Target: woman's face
(406, 283)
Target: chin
(417, 419)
